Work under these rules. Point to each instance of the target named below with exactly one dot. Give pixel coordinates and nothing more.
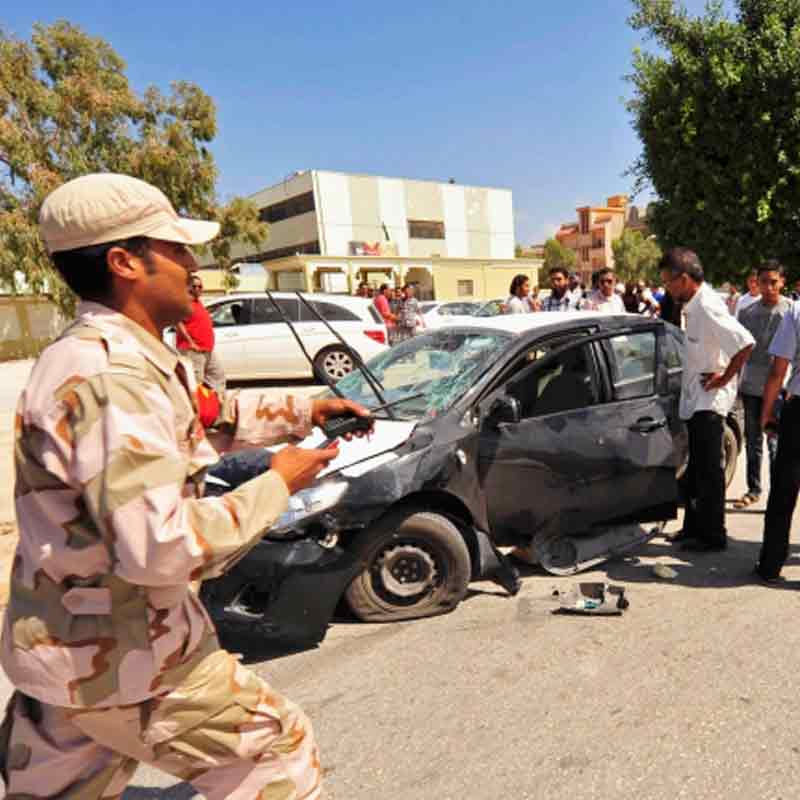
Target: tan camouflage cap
(106, 207)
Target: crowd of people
(567, 293)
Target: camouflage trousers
(224, 730)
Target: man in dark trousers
(785, 475)
(717, 347)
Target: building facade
(331, 230)
(591, 236)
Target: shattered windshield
(441, 366)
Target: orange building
(596, 228)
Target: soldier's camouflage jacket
(110, 458)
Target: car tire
(334, 362)
(416, 565)
(730, 451)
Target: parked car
(253, 341)
(435, 315)
(558, 433)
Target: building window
(425, 229)
(286, 209)
(584, 221)
(584, 253)
(306, 248)
(598, 243)
(466, 288)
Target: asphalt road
(689, 694)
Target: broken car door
(639, 425)
(551, 468)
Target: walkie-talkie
(352, 423)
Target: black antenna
(376, 386)
(319, 374)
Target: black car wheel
(416, 565)
(335, 362)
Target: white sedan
(435, 315)
(253, 341)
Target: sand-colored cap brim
(186, 231)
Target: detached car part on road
(557, 433)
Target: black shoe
(770, 580)
(703, 546)
(681, 536)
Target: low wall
(27, 326)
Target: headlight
(309, 503)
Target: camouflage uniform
(114, 658)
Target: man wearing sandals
(762, 319)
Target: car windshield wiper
(394, 403)
(320, 373)
(376, 386)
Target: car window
(562, 382)
(227, 314)
(375, 314)
(490, 309)
(329, 311)
(674, 347)
(456, 309)
(426, 307)
(634, 364)
(264, 312)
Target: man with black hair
(785, 473)
(762, 319)
(717, 347)
(113, 657)
(560, 298)
(604, 297)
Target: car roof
(341, 299)
(519, 324)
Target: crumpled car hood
(388, 435)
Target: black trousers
(704, 480)
(784, 485)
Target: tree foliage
(717, 113)
(556, 255)
(636, 257)
(67, 109)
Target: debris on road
(663, 571)
(592, 598)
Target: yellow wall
(488, 281)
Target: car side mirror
(503, 409)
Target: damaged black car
(557, 434)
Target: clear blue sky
(520, 94)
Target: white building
(330, 230)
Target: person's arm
(254, 420)
(717, 380)
(772, 388)
(735, 341)
(183, 332)
(113, 440)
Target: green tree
(636, 256)
(716, 111)
(556, 255)
(67, 109)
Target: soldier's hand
(323, 410)
(299, 467)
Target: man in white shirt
(604, 298)
(717, 347)
(753, 294)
